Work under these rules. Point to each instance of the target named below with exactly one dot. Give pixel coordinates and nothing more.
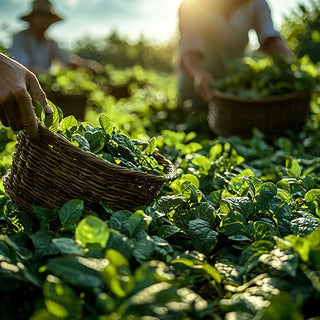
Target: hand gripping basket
(52, 171)
(232, 115)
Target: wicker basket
(70, 104)
(52, 171)
(231, 115)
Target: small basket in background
(230, 115)
(52, 171)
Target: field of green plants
(235, 236)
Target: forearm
(276, 46)
(193, 66)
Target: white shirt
(220, 39)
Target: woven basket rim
(273, 98)
(103, 163)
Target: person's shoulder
(21, 34)
(52, 43)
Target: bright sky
(155, 19)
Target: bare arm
(277, 46)
(192, 63)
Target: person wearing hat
(34, 49)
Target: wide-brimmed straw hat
(43, 7)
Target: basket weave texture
(52, 171)
(231, 115)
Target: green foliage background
(234, 236)
(302, 30)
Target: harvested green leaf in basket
(106, 141)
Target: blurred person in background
(213, 33)
(34, 49)
(19, 88)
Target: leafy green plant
(264, 77)
(301, 29)
(235, 236)
(107, 142)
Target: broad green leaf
(116, 259)
(167, 231)
(45, 216)
(282, 307)
(78, 271)
(136, 221)
(116, 275)
(61, 300)
(253, 182)
(92, 230)
(119, 221)
(68, 125)
(176, 184)
(313, 195)
(96, 141)
(212, 271)
(283, 261)
(239, 237)
(144, 249)
(215, 151)
(261, 230)
(246, 302)
(152, 145)
(105, 303)
(242, 205)
(39, 112)
(202, 236)
(163, 249)
(234, 224)
(205, 211)
(5, 253)
(81, 142)
(293, 168)
(303, 246)
(71, 211)
(112, 280)
(52, 121)
(250, 256)
(42, 241)
(284, 195)
(68, 246)
(304, 225)
(308, 181)
(106, 123)
(184, 261)
(266, 192)
(202, 162)
(191, 147)
(190, 136)
(121, 243)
